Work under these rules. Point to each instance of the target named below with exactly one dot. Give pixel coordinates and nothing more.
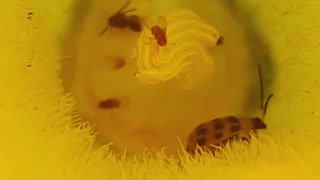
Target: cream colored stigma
(184, 59)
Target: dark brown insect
(109, 103)
(121, 20)
(220, 40)
(219, 131)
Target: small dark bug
(109, 103)
(160, 35)
(121, 20)
(220, 40)
(159, 31)
(220, 130)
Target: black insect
(121, 20)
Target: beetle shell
(220, 130)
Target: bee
(121, 20)
(217, 132)
(159, 31)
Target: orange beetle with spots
(219, 131)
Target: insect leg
(104, 30)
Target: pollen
(184, 59)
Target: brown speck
(109, 103)
(118, 63)
(30, 14)
(220, 40)
(115, 62)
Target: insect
(159, 31)
(219, 131)
(109, 103)
(160, 35)
(220, 40)
(121, 20)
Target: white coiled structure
(184, 59)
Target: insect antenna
(265, 105)
(124, 7)
(129, 10)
